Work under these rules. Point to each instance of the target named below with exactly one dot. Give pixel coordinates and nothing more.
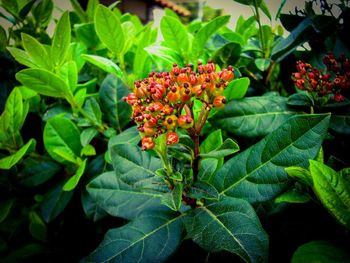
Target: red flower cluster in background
(335, 80)
(158, 101)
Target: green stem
(257, 15)
(311, 110)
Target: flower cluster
(333, 82)
(158, 101)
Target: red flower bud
(170, 123)
(147, 143)
(131, 99)
(172, 138)
(219, 102)
(185, 121)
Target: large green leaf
(133, 184)
(340, 123)
(333, 191)
(9, 161)
(36, 51)
(38, 171)
(105, 64)
(55, 201)
(206, 32)
(165, 55)
(111, 93)
(253, 116)
(69, 72)
(320, 252)
(152, 237)
(62, 139)
(230, 224)
(14, 113)
(42, 12)
(61, 40)
(44, 82)
(227, 54)
(109, 29)
(142, 61)
(175, 34)
(298, 36)
(257, 174)
(86, 33)
(22, 57)
(130, 135)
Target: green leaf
(130, 135)
(61, 40)
(22, 57)
(88, 150)
(55, 201)
(206, 32)
(165, 54)
(293, 196)
(62, 135)
(37, 227)
(175, 34)
(9, 161)
(74, 180)
(86, 34)
(227, 54)
(230, 224)
(14, 114)
(42, 12)
(152, 237)
(203, 190)
(111, 94)
(283, 2)
(69, 73)
(237, 88)
(226, 148)
(253, 116)
(142, 61)
(262, 63)
(133, 184)
(44, 82)
(300, 173)
(36, 51)
(38, 172)
(320, 252)
(208, 166)
(80, 97)
(87, 135)
(91, 8)
(265, 9)
(340, 123)
(79, 11)
(257, 174)
(105, 64)
(300, 99)
(109, 29)
(76, 49)
(299, 35)
(173, 199)
(93, 109)
(5, 209)
(332, 190)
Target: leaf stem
(257, 16)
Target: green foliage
(333, 191)
(319, 251)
